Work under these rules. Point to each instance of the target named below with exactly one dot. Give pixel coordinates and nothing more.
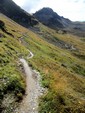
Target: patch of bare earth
(33, 90)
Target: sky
(71, 9)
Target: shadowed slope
(10, 9)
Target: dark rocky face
(51, 19)
(48, 17)
(2, 24)
(10, 9)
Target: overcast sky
(72, 9)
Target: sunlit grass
(56, 66)
(62, 70)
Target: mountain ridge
(58, 57)
(51, 19)
(48, 17)
(13, 11)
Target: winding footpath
(33, 89)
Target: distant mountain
(50, 18)
(46, 16)
(10, 9)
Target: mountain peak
(46, 10)
(50, 18)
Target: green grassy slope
(62, 69)
(12, 81)
(63, 73)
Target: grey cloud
(83, 1)
(76, 1)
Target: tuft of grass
(78, 69)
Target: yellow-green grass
(63, 74)
(12, 80)
(77, 42)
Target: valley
(34, 58)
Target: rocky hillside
(10, 9)
(50, 18)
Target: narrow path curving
(30, 55)
(33, 89)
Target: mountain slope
(48, 17)
(62, 25)
(10, 9)
(12, 81)
(62, 71)
(60, 59)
